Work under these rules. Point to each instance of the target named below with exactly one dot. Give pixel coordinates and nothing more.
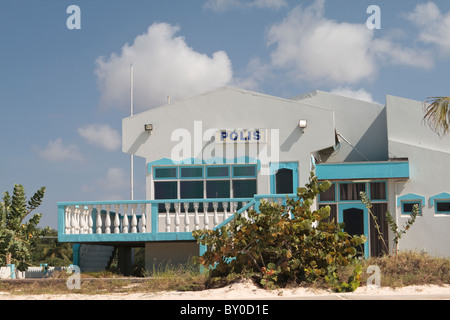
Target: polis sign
(241, 136)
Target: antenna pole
(131, 112)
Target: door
(355, 218)
(284, 178)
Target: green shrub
(287, 244)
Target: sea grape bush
(284, 244)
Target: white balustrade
(122, 218)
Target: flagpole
(131, 112)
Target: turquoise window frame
(244, 165)
(408, 198)
(409, 202)
(191, 167)
(212, 177)
(435, 200)
(275, 166)
(441, 212)
(166, 178)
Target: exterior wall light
(148, 127)
(302, 125)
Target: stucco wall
(429, 158)
(229, 108)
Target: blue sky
(64, 92)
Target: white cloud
(360, 94)
(114, 186)
(101, 135)
(434, 26)
(223, 5)
(115, 180)
(163, 65)
(56, 151)
(321, 50)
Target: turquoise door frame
(359, 206)
(275, 166)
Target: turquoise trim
(275, 166)
(363, 170)
(211, 161)
(410, 197)
(12, 270)
(127, 237)
(441, 196)
(359, 206)
(76, 254)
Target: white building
(214, 154)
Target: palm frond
(437, 114)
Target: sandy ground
(242, 291)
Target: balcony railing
(149, 220)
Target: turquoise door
(283, 177)
(356, 219)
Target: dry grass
(405, 269)
(410, 268)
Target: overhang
(363, 170)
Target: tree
(437, 114)
(284, 244)
(17, 237)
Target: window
(329, 195)
(244, 171)
(407, 201)
(218, 189)
(205, 181)
(165, 173)
(441, 203)
(350, 191)
(191, 172)
(218, 172)
(244, 188)
(407, 206)
(443, 206)
(378, 191)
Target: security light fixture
(148, 127)
(302, 125)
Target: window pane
(163, 173)
(218, 189)
(350, 191)
(217, 172)
(191, 189)
(329, 195)
(378, 191)
(284, 181)
(195, 172)
(244, 188)
(443, 206)
(244, 171)
(408, 206)
(166, 190)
